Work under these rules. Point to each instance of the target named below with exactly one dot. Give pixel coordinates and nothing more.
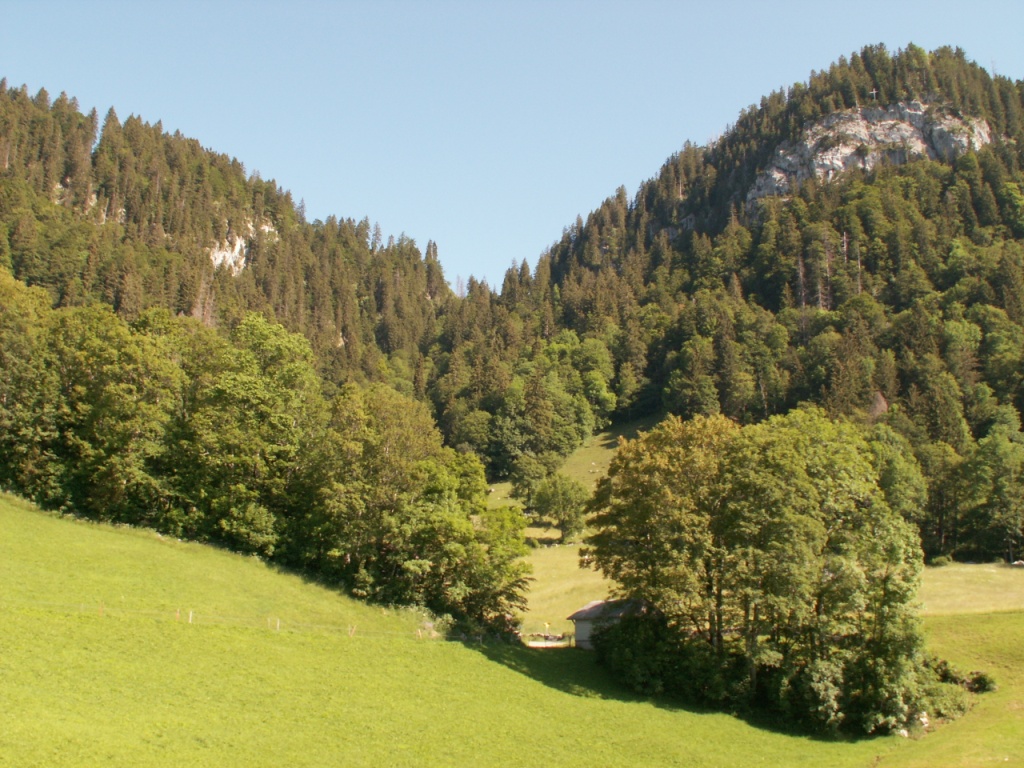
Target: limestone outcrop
(233, 253)
(866, 136)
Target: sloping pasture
(99, 665)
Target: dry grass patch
(966, 589)
(559, 588)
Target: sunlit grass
(560, 587)
(992, 733)
(589, 463)
(135, 684)
(960, 589)
(500, 495)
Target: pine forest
(826, 304)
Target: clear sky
(484, 126)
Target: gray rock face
(233, 253)
(861, 138)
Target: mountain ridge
(903, 281)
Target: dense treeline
(779, 568)
(133, 223)
(779, 560)
(128, 215)
(894, 296)
(166, 423)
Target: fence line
(191, 616)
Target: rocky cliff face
(861, 138)
(233, 253)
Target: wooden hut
(601, 613)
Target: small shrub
(638, 652)
(980, 682)
(652, 658)
(941, 561)
(975, 682)
(444, 625)
(944, 671)
(947, 700)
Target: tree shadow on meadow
(577, 673)
(569, 670)
(610, 438)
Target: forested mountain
(146, 380)
(136, 218)
(856, 241)
(880, 277)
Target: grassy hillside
(589, 462)
(968, 589)
(993, 732)
(559, 586)
(99, 666)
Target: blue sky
(484, 126)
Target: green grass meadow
(589, 463)
(968, 589)
(559, 588)
(99, 665)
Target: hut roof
(609, 610)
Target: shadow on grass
(578, 673)
(565, 669)
(630, 430)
